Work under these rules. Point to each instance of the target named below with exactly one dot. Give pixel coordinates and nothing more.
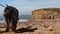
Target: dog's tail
(2, 5)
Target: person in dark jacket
(11, 15)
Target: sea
(20, 20)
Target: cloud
(27, 6)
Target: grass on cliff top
(51, 9)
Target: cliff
(46, 13)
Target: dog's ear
(6, 5)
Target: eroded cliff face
(45, 14)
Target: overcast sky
(27, 6)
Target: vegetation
(51, 9)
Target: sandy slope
(44, 26)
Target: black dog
(11, 15)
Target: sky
(25, 7)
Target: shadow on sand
(22, 30)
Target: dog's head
(8, 10)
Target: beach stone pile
(44, 26)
